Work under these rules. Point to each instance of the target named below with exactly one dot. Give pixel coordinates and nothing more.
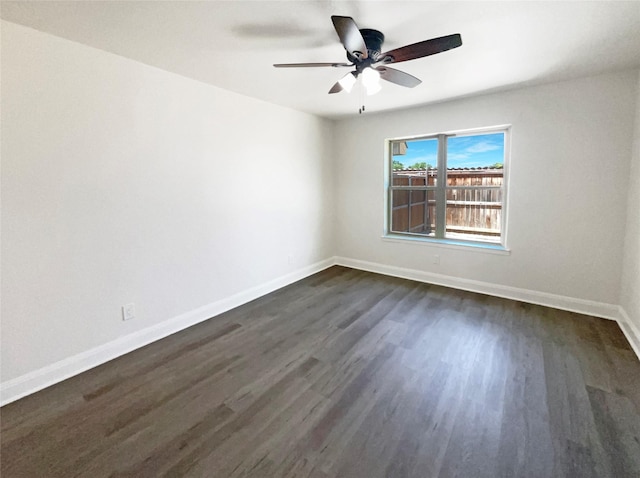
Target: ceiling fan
(364, 53)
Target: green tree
(422, 165)
(497, 166)
(397, 165)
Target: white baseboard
(630, 330)
(581, 306)
(32, 382)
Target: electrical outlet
(436, 259)
(128, 311)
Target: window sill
(449, 244)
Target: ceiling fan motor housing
(374, 40)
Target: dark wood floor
(348, 374)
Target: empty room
(320, 239)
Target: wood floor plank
(348, 374)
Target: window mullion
(441, 187)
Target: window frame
(440, 190)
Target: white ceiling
(233, 44)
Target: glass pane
(485, 151)
(474, 214)
(476, 161)
(418, 156)
(414, 212)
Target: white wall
(630, 292)
(124, 183)
(570, 153)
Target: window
(449, 187)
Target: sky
(462, 151)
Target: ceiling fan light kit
(371, 81)
(347, 81)
(364, 51)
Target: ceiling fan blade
(350, 36)
(423, 48)
(310, 65)
(398, 77)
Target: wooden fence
(474, 202)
